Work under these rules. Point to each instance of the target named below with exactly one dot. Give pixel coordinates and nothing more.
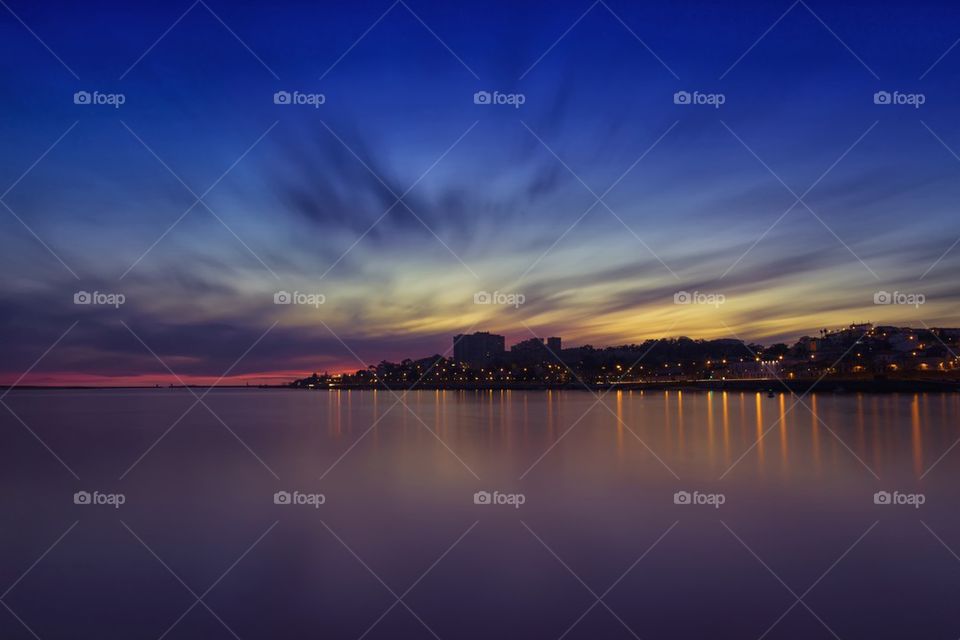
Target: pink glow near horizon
(67, 379)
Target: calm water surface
(599, 547)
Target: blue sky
(498, 198)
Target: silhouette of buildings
(859, 351)
(478, 349)
(530, 351)
(536, 351)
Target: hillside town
(481, 360)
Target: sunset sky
(494, 197)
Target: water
(598, 549)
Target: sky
(780, 200)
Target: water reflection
(815, 433)
(726, 428)
(705, 431)
(916, 436)
(711, 431)
(761, 428)
(783, 430)
(400, 494)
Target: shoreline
(832, 385)
(839, 385)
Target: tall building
(530, 351)
(553, 344)
(478, 349)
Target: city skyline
(861, 353)
(785, 172)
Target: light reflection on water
(599, 478)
